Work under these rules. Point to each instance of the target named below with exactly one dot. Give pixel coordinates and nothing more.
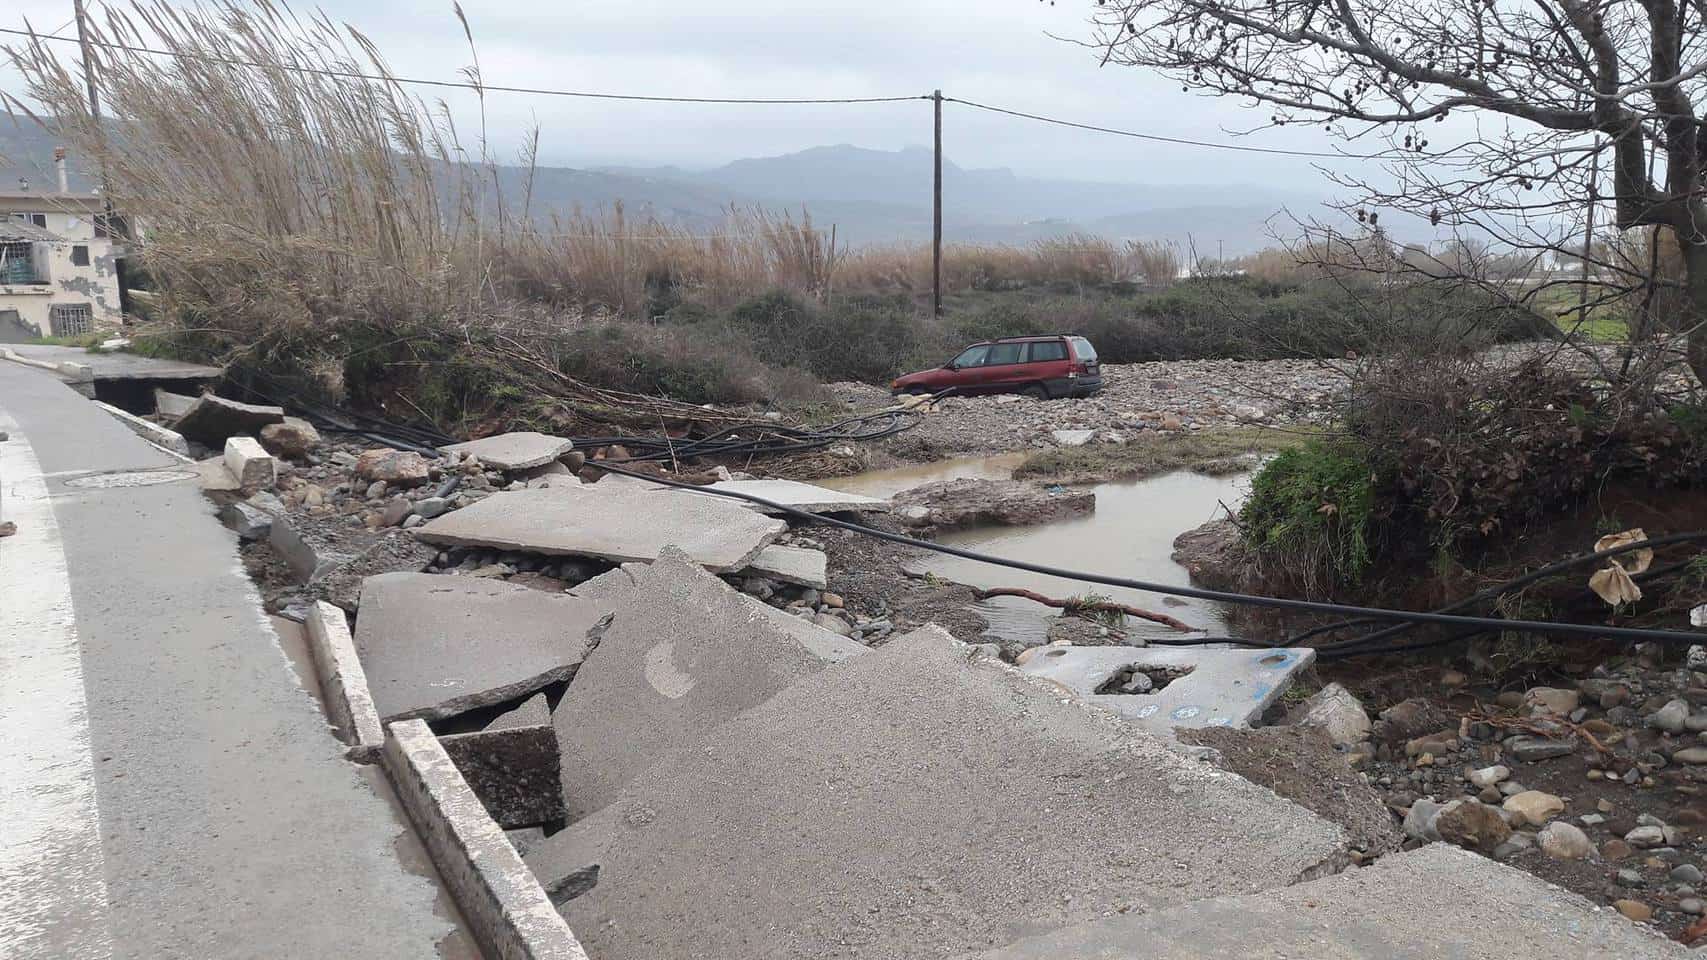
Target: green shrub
(1312, 509)
(855, 338)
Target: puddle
(1130, 535)
(887, 483)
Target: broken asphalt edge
(349, 705)
(500, 898)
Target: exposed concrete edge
(343, 685)
(500, 898)
(168, 440)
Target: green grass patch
(1150, 453)
(1312, 507)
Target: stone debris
(599, 521)
(1071, 438)
(248, 522)
(436, 646)
(952, 504)
(833, 820)
(1203, 688)
(797, 565)
(211, 420)
(1337, 712)
(172, 406)
(1426, 904)
(510, 452)
(292, 438)
(399, 467)
(801, 496)
(683, 653)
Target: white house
(59, 265)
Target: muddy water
(887, 483)
(1130, 535)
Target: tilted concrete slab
(533, 712)
(211, 419)
(172, 405)
(514, 771)
(801, 496)
(514, 451)
(434, 646)
(615, 523)
(799, 565)
(1224, 688)
(683, 652)
(920, 801)
(1432, 903)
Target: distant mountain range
(871, 196)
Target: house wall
(97, 284)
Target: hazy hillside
(871, 196)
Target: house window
(79, 255)
(17, 262)
(39, 219)
(70, 319)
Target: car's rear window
(1045, 350)
(1004, 353)
(1086, 352)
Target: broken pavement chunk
(618, 523)
(514, 771)
(398, 467)
(254, 467)
(684, 652)
(514, 451)
(435, 646)
(211, 419)
(797, 565)
(919, 803)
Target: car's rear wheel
(1036, 391)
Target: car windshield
(972, 356)
(1086, 352)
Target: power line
(457, 84)
(1161, 139)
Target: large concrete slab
(799, 565)
(514, 451)
(212, 419)
(115, 365)
(434, 646)
(1219, 688)
(1433, 903)
(919, 801)
(801, 496)
(683, 652)
(610, 522)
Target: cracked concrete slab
(798, 565)
(434, 646)
(609, 522)
(514, 451)
(919, 801)
(211, 419)
(801, 496)
(1219, 688)
(683, 652)
(1437, 901)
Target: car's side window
(1004, 353)
(1045, 350)
(973, 357)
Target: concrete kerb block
(505, 906)
(250, 463)
(343, 684)
(154, 433)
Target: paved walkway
(168, 788)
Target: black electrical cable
(1221, 596)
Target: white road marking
(53, 887)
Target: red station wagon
(1041, 367)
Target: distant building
(59, 265)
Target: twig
(1072, 605)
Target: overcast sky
(996, 51)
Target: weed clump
(1312, 510)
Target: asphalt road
(168, 788)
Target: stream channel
(1130, 534)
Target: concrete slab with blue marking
(1185, 686)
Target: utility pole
(88, 62)
(1588, 235)
(936, 215)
